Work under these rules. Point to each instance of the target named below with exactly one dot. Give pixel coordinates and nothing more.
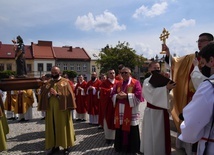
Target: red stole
(127, 117)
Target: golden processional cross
(164, 35)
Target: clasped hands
(80, 88)
(90, 87)
(53, 92)
(122, 95)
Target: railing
(37, 74)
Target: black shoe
(50, 152)
(100, 127)
(109, 141)
(43, 118)
(66, 152)
(23, 120)
(78, 120)
(83, 120)
(56, 149)
(53, 150)
(12, 118)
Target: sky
(93, 24)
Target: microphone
(196, 54)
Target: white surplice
(198, 117)
(109, 133)
(153, 134)
(197, 77)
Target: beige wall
(13, 62)
(93, 63)
(8, 61)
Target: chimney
(44, 43)
(70, 48)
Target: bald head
(55, 72)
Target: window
(78, 67)
(9, 67)
(29, 69)
(93, 69)
(49, 66)
(72, 67)
(40, 67)
(1, 67)
(58, 65)
(84, 67)
(65, 67)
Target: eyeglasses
(201, 41)
(112, 73)
(124, 72)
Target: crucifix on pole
(164, 35)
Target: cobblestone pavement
(28, 139)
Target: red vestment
(92, 99)
(106, 109)
(71, 84)
(81, 98)
(119, 77)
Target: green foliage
(71, 74)
(112, 57)
(6, 74)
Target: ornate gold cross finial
(164, 35)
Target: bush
(6, 74)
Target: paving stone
(28, 138)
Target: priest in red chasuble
(92, 88)
(106, 104)
(126, 96)
(81, 99)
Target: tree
(71, 74)
(112, 57)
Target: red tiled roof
(42, 50)
(7, 51)
(66, 52)
(45, 50)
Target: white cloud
(156, 10)
(106, 22)
(145, 50)
(183, 23)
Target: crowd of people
(112, 103)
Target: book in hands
(159, 80)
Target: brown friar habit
(66, 95)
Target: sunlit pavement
(28, 138)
